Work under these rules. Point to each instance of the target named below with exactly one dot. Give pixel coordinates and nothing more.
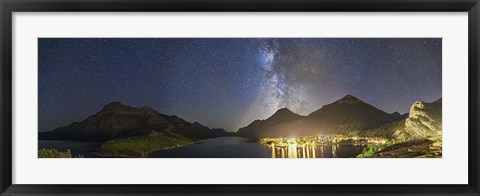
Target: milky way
(277, 91)
(228, 83)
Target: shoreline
(128, 156)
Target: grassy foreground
(415, 148)
(371, 150)
(52, 153)
(142, 146)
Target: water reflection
(292, 151)
(337, 146)
(273, 151)
(315, 151)
(237, 147)
(334, 151)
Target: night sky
(228, 83)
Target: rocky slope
(116, 120)
(424, 121)
(422, 133)
(415, 148)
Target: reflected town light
(309, 146)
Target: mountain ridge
(347, 114)
(116, 120)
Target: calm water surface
(238, 147)
(222, 147)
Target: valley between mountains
(125, 131)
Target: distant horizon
(229, 82)
(234, 131)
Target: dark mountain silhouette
(344, 116)
(116, 120)
(350, 113)
(260, 128)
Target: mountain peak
(283, 110)
(348, 99)
(284, 113)
(348, 114)
(113, 106)
(117, 120)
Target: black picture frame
(10, 6)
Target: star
(230, 82)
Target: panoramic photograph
(239, 97)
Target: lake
(222, 147)
(238, 147)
